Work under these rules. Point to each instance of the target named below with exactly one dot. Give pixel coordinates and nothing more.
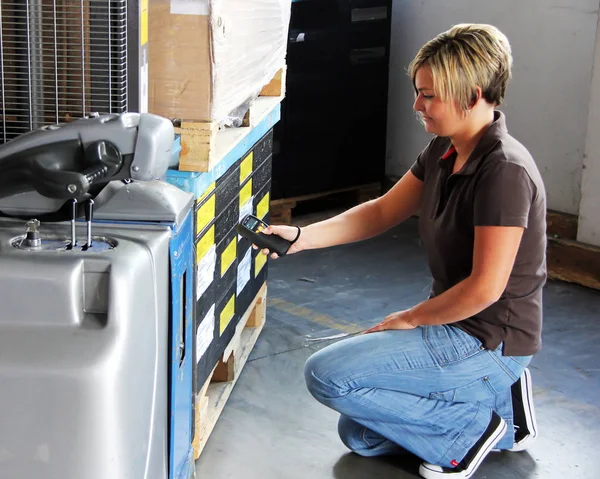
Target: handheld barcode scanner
(252, 228)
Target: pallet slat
(574, 262)
(197, 145)
(281, 209)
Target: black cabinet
(332, 132)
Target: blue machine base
(181, 453)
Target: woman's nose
(418, 104)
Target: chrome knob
(32, 234)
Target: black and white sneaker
(473, 459)
(525, 422)
(526, 430)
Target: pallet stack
(332, 135)
(229, 275)
(217, 69)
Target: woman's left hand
(398, 320)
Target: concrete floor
(271, 427)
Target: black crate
(262, 202)
(333, 120)
(245, 275)
(260, 274)
(224, 313)
(228, 187)
(204, 213)
(217, 213)
(227, 318)
(263, 149)
(257, 279)
(226, 265)
(227, 220)
(205, 272)
(262, 175)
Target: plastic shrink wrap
(208, 59)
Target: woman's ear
(477, 94)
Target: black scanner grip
(273, 242)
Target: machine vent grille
(60, 60)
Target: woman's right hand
(286, 232)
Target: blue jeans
(430, 391)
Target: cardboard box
(209, 58)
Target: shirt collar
(496, 131)
(451, 151)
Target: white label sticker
(244, 268)
(206, 271)
(245, 210)
(205, 333)
(189, 7)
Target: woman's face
(439, 118)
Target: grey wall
(589, 211)
(548, 101)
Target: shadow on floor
(273, 429)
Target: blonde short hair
(463, 58)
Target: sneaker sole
(429, 473)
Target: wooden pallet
(211, 399)
(562, 225)
(281, 209)
(199, 151)
(574, 262)
(568, 259)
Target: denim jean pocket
(480, 390)
(512, 366)
(449, 344)
(521, 360)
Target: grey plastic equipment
(91, 244)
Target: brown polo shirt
(499, 185)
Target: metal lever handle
(73, 242)
(89, 212)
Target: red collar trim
(451, 151)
